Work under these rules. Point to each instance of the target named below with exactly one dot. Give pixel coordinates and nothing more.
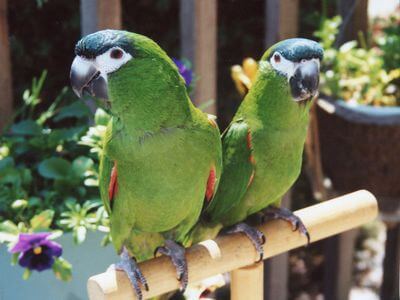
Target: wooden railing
(236, 254)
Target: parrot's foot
(256, 237)
(131, 268)
(177, 255)
(288, 216)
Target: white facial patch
(287, 67)
(112, 60)
(283, 65)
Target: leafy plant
(356, 72)
(48, 178)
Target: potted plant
(358, 113)
(49, 198)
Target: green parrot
(262, 147)
(161, 160)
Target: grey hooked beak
(85, 77)
(305, 81)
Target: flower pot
(87, 259)
(360, 149)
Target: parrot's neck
(151, 100)
(271, 102)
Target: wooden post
(313, 154)
(281, 20)
(338, 250)
(354, 19)
(276, 269)
(236, 251)
(391, 264)
(6, 100)
(247, 282)
(198, 23)
(339, 253)
(100, 14)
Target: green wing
(236, 172)
(105, 169)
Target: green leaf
(26, 127)
(9, 227)
(75, 110)
(42, 220)
(57, 136)
(55, 234)
(81, 164)
(34, 201)
(27, 274)
(79, 234)
(8, 232)
(6, 163)
(14, 259)
(26, 176)
(101, 117)
(54, 168)
(62, 269)
(105, 240)
(19, 204)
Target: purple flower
(185, 72)
(36, 251)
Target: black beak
(305, 81)
(86, 77)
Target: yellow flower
(243, 76)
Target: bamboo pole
(247, 282)
(232, 252)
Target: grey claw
(288, 216)
(132, 270)
(256, 237)
(177, 255)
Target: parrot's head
(107, 55)
(97, 56)
(296, 60)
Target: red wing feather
(113, 186)
(211, 184)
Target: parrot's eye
(277, 58)
(116, 53)
(303, 60)
(282, 65)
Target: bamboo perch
(232, 252)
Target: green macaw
(162, 156)
(263, 145)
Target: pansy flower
(37, 252)
(185, 72)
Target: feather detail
(251, 178)
(250, 146)
(113, 187)
(211, 184)
(211, 120)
